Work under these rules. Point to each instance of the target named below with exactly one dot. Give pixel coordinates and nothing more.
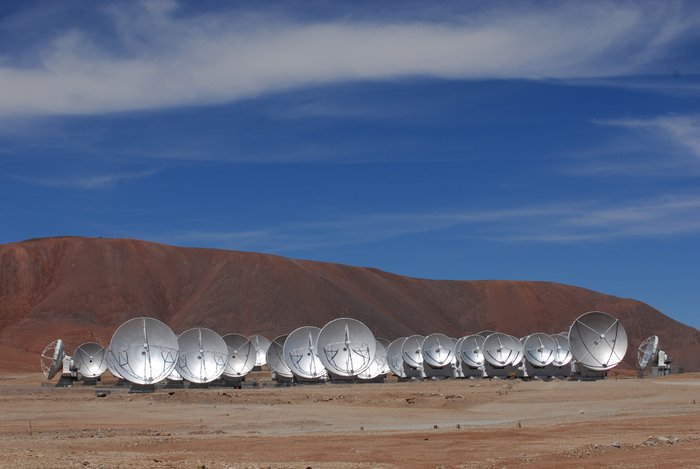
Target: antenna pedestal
(376, 379)
(657, 371)
(508, 371)
(468, 372)
(90, 381)
(142, 388)
(66, 380)
(338, 379)
(581, 373)
(444, 372)
(282, 380)
(229, 382)
(174, 384)
(538, 372)
(413, 373)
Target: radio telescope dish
(598, 341)
(411, 351)
(203, 355)
(346, 347)
(438, 350)
(471, 351)
(500, 349)
(646, 353)
(394, 358)
(261, 344)
(540, 349)
(562, 355)
(300, 353)
(52, 358)
(519, 351)
(275, 358)
(379, 364)
(143, 351)
(89, 359)
(241, 355)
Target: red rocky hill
(82, 289)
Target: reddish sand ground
(465, 423)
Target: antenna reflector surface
(52, 358)
(562, 356)
(90, 360)
(540, 349)
(241, 355)
(261, 344)
(471, 351)
(346, 347)
(411, 351)
(300, 353)
(394, 358)
(379, 364)
(646, 353)
(203, 355)
(143, 351)
(501, 349)
(438, 350)
(275, 358)
(598, 341)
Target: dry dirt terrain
(455, 423)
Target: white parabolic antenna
(540, 349)
(346, 347)
(471, 351)
(275, 358)
(519, 351)
(143, 351)
(52, 358)
(378, 366)
(438, 350)
(300, 353)
(411, 351)
(394, 358)
(500, 349)
(90, 360)
(562, 356)
(261, 344)
(242, 355)
(203, 355)
(646, 353)
(598, 341)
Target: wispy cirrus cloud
(85, 181)
(665, 145)
(588, 221)
(680, 130)
(157, 57)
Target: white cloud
(85, 182)
(683, 131)
(591, 221)
(163, 59)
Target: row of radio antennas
(145, 351)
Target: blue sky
(554, 141)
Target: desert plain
(618, 422)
